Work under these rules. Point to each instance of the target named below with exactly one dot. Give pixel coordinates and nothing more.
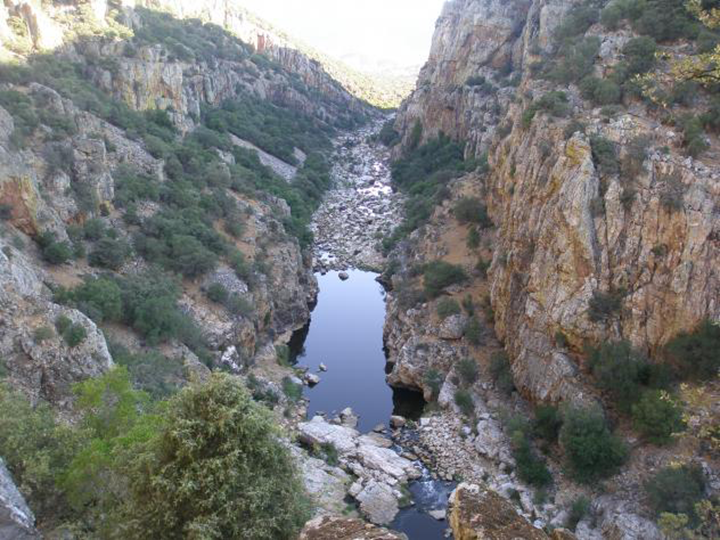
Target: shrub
(619, 369)
(473, 238)
(501, 373)
(693, 135)
(43, 334)
(697, 352)
(94, 229)
(100, 299)
(591, 450)
(676, 490)
(189, 257)
(603, 152)
(578, 510)
(439, 274)
(468, 369)
(639, 55)
(531, 469)
(434, 380)
(151, 372)
(75, 335)
(604, 306)
(554, 103)
(388, 136)
(54, 252)
(577, 21)
(547, 422)
(473, 331)
(576, 61)
(36, 450)
(464, 401)
(600, 91)
(292, 390)
(657, 417)
(472, 210)
(109, 253)
(63, 323)
(446, 307)
(217, 293)
(249, 485)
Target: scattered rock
(311, 379)
(17, 522)
(344, 276)
(397, 421)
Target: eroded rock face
(566, 230)
(338, 528)
(17, 521)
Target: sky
(394, 31)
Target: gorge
(241, 298)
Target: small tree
(216, 469)
(592, 451)
(657, 417)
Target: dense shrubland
(206, 462)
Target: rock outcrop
(339, 528)
(566, 230)
(17, 521)
(380, 470)
(477, 514)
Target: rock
(378, 503)
(341, 528)
(397, 421)
(318, 432)
(437, 514)
(348, 418)
(453, 327)
(380, 428)
(477, 513)
(311, 379)
(322, 367)
(17, 521)
(326, 485)
(344, 276)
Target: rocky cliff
(568, 229)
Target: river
(345, 334)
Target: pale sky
(396, 31)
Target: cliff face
(568, 231)
(65, 152)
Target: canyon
(185, 191)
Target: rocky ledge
(337, 528)
(379, 470)
(363, 207)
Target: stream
(345, 333)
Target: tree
(189, 257)
(216, 469)
(592, 451)
(109, 253)
(657, 416)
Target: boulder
(397, 421)
(311, 379)
(17, 521)
(318, 431)
(344, 276)
(453, 327)
(340, 528)
(378, 503)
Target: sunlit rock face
(567, 231)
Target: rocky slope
(551, 256)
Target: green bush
(248, 485)
(54, 252)
(446, 307)
(591, 450)
(434, 380)
(217, 293)
(676, 490)
(292, 390)
(697, 353)
(554, 103)
(43, 333)
(603, 306)
(547, 422)
(639, 55)
(463, 399)
(577, 21)
(472, 210)
(600, 91)
(530, 468)
(75, 335)
(439, 275)
(657, 417)
(473, 238)
(109, 253)
(468, 370)
(151, 372)
(94, 229)
(474, 331)
(63, 323)
(575, 62)
(578, 510)
(388, 136)
(100, 299)
(604, 156)
(693, 135)
(501, 373)
(619, 369)
(36, 450)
